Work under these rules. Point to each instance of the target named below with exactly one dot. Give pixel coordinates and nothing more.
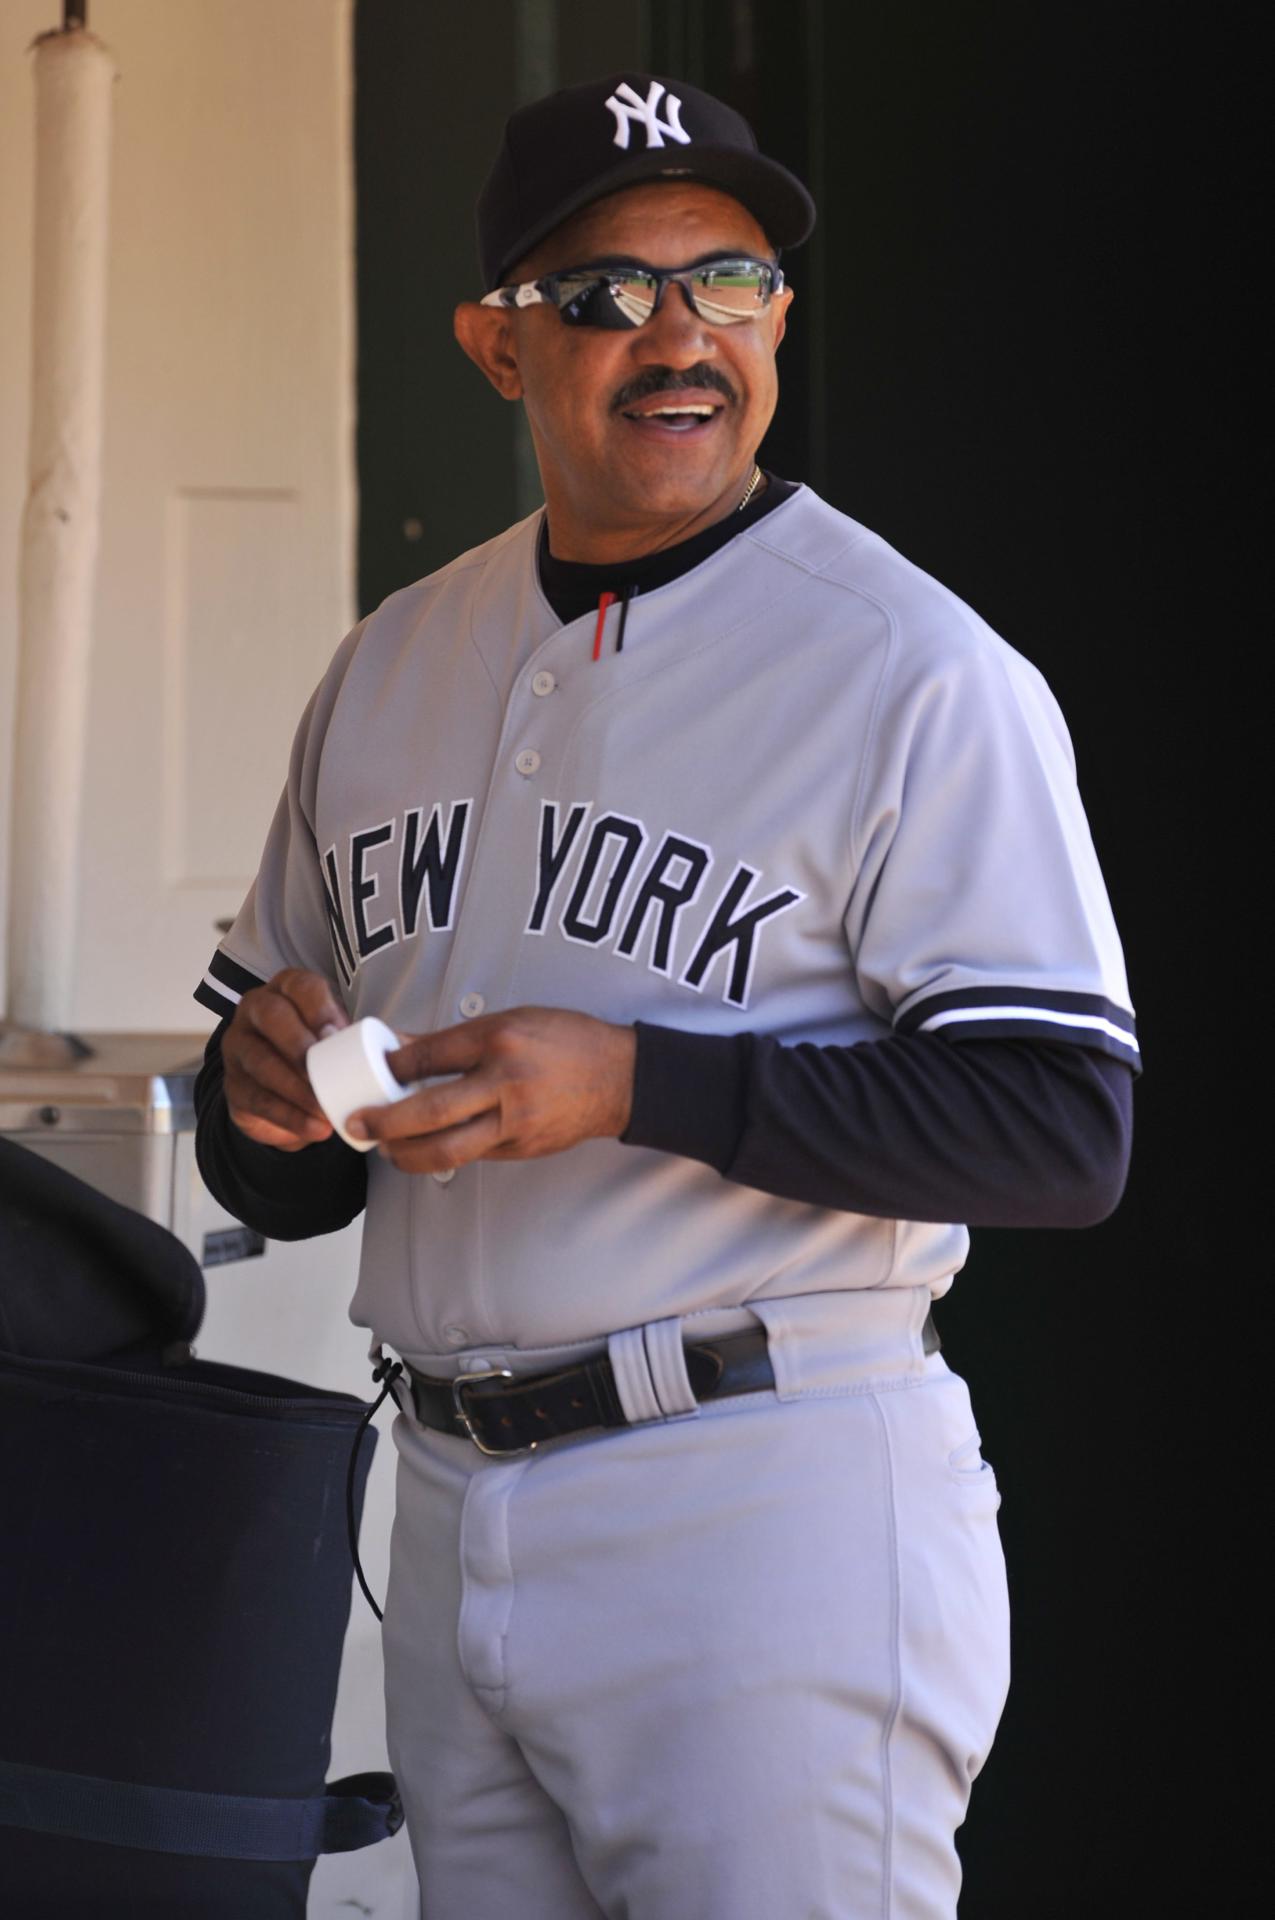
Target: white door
(227, 544)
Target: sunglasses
(722, 292)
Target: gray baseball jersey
(815, 797)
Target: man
(728, 883)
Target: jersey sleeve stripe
(1034, 1000)
(1082, 1023)
(989, 1013)
(232, 978)
(225, 984)
(217, 999)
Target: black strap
(351, 1813)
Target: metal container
(123, 1119)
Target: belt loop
(651, 1380)
(666, 1358)
(633, 1381)
(781, 1345)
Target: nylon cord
(388, 1372)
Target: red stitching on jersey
(606, 600)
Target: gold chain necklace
(753, 485)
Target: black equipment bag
(174, 1586)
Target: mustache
(671, 380)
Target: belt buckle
(471, 1432)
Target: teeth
(656, 413)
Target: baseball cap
(575, 146)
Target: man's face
(592, 395)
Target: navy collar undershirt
(573, 587)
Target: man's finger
(276, 1018)
(256, 1062)
(427, 1112)
(451, 1050)
(314, 998)
(444, 1152)
(274, 1122)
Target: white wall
(226, 575)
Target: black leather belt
(501, 1413)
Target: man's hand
(263, 1052)
(532, 1081)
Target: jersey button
(456, 1336)
(448, 1173)
(472, 1005)
(528, 762)
(542, 684)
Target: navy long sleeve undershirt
(1003, 1133)
(994, 1133)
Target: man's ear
(781, 323)
(487, 336)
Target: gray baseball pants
(741, 1664)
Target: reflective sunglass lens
(722, 295)
(737, 293)
(635, 297)
(593, 303)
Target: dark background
(1002, 356)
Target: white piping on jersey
(1094, 1020)
(220, 987)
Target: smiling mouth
(676, 416)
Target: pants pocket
(966, 1463)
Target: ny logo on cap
(628, 106)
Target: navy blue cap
(571, 148)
